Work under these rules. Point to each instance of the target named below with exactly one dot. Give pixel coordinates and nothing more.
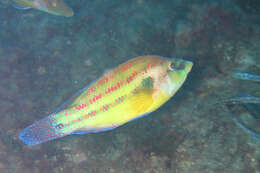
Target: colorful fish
(56, 7)
(130, 91)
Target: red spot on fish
(112, 88)
(90, 114)
(126, 67)
(131, 77)
(51, 133)
(106, 79)
(59, 126)
(119, 99)
(162, 62)
(68, 123)
(60, 134)
(91, 90)
(95, 98)
(118, 84)
(145, 69)
(111, 75)
(79, 107)
(67, 113)
(106, 107)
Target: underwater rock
(183, 34)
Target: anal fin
(94, 130)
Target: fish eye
(172, 66)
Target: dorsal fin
(69, 101)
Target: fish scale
(102, 85)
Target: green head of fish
(175, 74)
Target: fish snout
(189, 65)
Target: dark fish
(249, 103)
(246, 98)
(250, 131)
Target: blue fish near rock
(242, 99)
(247, 76)
(251, 103)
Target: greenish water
(44, 59)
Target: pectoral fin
(141, 100)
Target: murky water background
(44, 59)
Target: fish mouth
(189, 65)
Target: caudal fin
(44, 130)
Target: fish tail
(41, 131)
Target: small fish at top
(246, 76)
(128, 92)
(56, 7)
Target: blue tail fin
(44, 130)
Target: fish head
(171, 74)
(56, 7)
